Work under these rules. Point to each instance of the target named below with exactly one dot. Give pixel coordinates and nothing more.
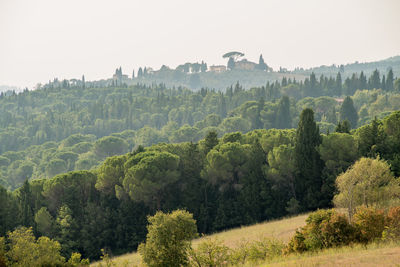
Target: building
(244, 64)
(217, 68)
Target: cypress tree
(308, 181)
(389, 81)
(283, 119)
(348, 112)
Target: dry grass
(358, 255)
(281, 229)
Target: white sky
(43, 39)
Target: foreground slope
(280, 229)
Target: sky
(43, 39)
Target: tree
(343, 127)
(44, 222)
(261, 64)
(389, 81)
(110, 146)
(168, 240)
(210, 141)
(283, 118)
(338, 85)
(309, 165)
(348, 112)
(231, 63)
(368, 182)
(146, 181)
(374, 81)
(25, 250)
(234, 55)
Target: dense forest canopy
(64, 127)
(85, 165)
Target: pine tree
(133, 74)
(308, 181)
(348, 112)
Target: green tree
(110, 146)
(283, 118)
(44, 222)
(348, 112)
(169, 239)
(147, 180)
(343, 127)
(368, 182)
(309, 165)
(25, 250)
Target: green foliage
(367, 182)
(25, 250)
(324, 229)
(369, 223)
(169, 239)
(147, 180)
(308, 162)
(44, 222)
(210, 253)
(348, 112)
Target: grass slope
(280, 229)
(357, 255)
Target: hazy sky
(43, 39)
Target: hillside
(348, 69)
(356, 255)
(280, 229)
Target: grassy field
(358, 255)
(280, 229)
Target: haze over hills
(249, 74)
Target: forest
(67, 128)
(86, 166)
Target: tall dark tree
(231, 63)
(374, 80)
(348, 112)
(389, 81)
(338, 85)
(283, 118)
(261, 64)
(133, 74)
(25, 205)
(362, 81)
(308, 181)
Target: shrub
(369, 223)
(264, 249)
(210, 253)
(392, 224)
(168, 239)
(323, 229)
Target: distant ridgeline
(248, 74)
(72, 126)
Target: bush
(169, 239)
(324, 229)
(369, 223)
(210, 253)
(392, 224)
